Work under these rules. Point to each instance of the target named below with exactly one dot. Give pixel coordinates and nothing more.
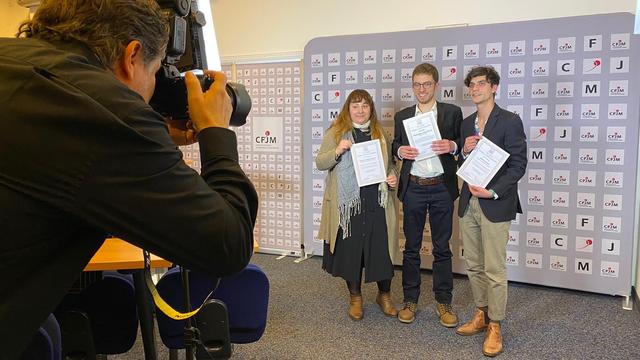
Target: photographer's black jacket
(82, 156)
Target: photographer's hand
(182, 132)
(212, 108)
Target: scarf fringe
(383, 194)
(345, 212)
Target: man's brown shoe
(386, 305)
(355, 307)
(493, 340)
(408, 312)
(474, 326)
(447, 317)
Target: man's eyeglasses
(425, 85)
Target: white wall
(261, 28)
(11, 15)
(265, 29)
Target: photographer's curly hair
(343, 122)
(104, 26)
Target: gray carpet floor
(308, 320)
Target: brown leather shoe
(447, 317)
(493, 340)
(473, 326)
(386, 305)
(408, 312)
(355, 307)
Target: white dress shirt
(429, 167)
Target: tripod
(208, 337)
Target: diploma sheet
(422, 130)
(483, 163)
(368, 163)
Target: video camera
(185, 52)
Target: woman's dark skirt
(367, 247)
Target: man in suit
(428, 186)
(486, 213)
(84, 156)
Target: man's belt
(426, 181)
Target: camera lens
(241, 103)
(240, 99)
(170, 98)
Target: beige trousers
(485, 256)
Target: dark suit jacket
(449, 119)
(504, 129)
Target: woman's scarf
(348, 189)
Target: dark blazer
(449, 119)
(504, 129)
(83, 156)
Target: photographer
(84, 155)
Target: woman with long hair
(358, 224)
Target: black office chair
(246, 296)
(100, 319)
(45, 343)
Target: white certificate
(483, 163)
(422, 130)
(367, 161)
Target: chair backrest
(111, 306)
(111, 316)
(45, 343)
(246, 296)
(171, 290)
